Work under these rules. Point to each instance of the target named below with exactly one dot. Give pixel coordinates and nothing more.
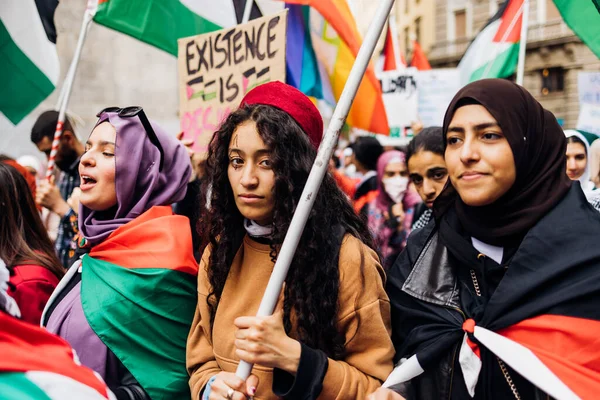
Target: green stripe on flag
(22, 84)
(583, 17)
(156, 22)
(16, 386)
(502, 66)
(143, 315)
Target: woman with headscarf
(390, 214)
(578, 159)
(126, 305)
(499, 299)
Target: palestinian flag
(161, 22)
(391, 52)
(543, 319)
(495, 50)
(138, 291)
(29, 69)
(37, 365)
(583, 17)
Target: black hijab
(539, 149)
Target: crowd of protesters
(153, 269)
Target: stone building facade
(554, 54)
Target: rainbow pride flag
(323, 43)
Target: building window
(406, 40)
(551, 11)
(406, 6)
(460, 24)
(418, 30)
(553, 80)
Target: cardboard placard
(217, 69)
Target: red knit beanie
(293, 102)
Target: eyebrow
(100, 143)
(257, 152)
(478, 127)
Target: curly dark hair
(312, 284)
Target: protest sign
(217, 69)
(437, 87)
(400, 98)
(589, 118)
(588, 85)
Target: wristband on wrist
(207, 387)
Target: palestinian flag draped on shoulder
(37, 365)
(29, 66)
(495, 50)
(138, 291)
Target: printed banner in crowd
(401, 98)
(589, 102)
(437, 87)
(217, 69)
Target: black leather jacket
(423, 271)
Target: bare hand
(263, 341)
(48, 195)
(384, 394)
(225, 381)
(73, 201)
(416, 127)
(188, 143)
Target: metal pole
(319, 168)
(247, 11)
(65, 94)
(523, 43)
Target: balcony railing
(454, 49)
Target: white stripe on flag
(470, 365)
(222, 15)
(404, 371)
(59, 387)
(23, 22)
(525, 362)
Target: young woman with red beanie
(329, 337)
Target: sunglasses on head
(130, 112)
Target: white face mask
(396, 187)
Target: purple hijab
(139, 183)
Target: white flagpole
(65, 94)
(394, 32)
(247, 11)
(319, 169)
(523, 43)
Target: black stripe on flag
(240, 5)
(46, 10)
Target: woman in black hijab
(512, 255)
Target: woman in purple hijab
(126, 305)
(390, 213)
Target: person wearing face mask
(500, 297)
(390, 213)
